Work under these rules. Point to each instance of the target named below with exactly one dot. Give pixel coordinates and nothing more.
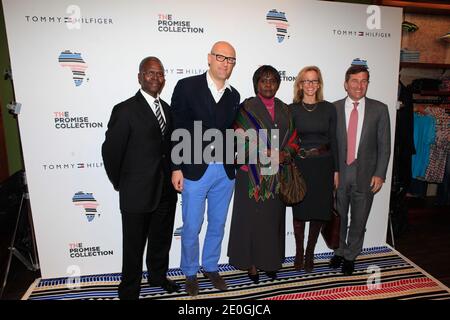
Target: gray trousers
(352, 236)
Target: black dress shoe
(167, 284)
(348, 267)
(336, 262)
(254, 277)
(271, 274)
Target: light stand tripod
(23, 244)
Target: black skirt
(318, 173)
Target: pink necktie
(351, 134)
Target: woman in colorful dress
(257, 232)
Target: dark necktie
(162, 123)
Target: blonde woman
(315, 122)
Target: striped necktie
(162, 123)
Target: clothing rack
(440, 99)
(437, 101)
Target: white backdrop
(72, 61)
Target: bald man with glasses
(210, 101)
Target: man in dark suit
(136, 156)
(364, 144)
(200, 103)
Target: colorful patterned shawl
(262, 187)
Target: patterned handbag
(292, 184)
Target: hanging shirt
(424, 135)
(441, 146)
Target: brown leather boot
(314, 230)
(299, 233)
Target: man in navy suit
(136, 155)
(200, 103)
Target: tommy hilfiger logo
(360, 34)
(72, 166)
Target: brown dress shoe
(191, 285)
(216, 280)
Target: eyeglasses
(153, 74)
(221, 58)
(314, 82)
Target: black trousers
(154, 228)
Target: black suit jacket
(136, 156)
(192, 101)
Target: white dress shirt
(151, 103)
(216, 93)
(348, 109)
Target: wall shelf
(415, 6)
(435, 93)
(423, 65)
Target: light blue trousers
(217, 188)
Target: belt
(313, 152)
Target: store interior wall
(427, 40)
(433, 50)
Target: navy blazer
(192, 101)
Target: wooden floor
(425, 240)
